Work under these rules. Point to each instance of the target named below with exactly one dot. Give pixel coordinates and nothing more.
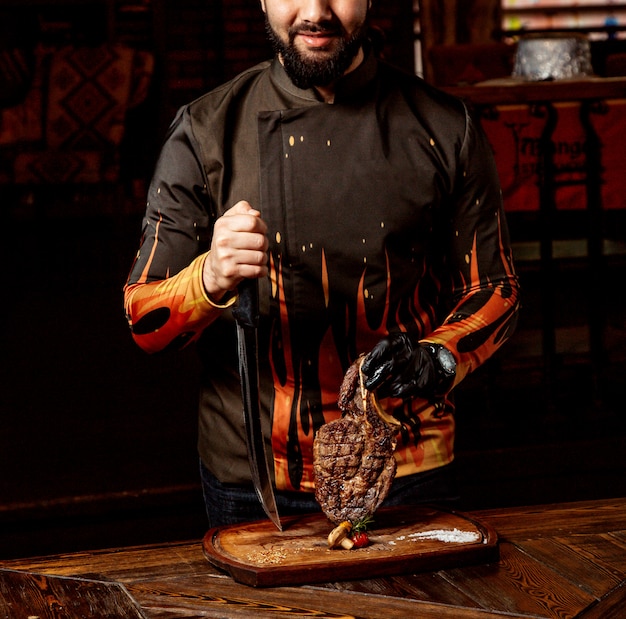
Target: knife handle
(246, 312)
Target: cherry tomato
(360, 539)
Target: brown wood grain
(24, 595)
(559, 519)
(567, 557)
(556, 561)
(172, 560)
(226, 600)
(432, 586)
(605, 549)
(522, 586)
(611, 606)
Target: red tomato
(360, 539)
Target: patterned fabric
(23, 123)
(15, 75)
(89, 89)
(49, 166)
(72, 122)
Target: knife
(246, 314)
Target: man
(367, 206)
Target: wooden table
(562, 560)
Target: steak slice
(354, 462)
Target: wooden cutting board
(402, 540)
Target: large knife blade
(246, 314)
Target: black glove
(399, 368)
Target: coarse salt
(446, 535)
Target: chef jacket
(384, 213)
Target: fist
(238, 250)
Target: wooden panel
(141, 563)
(610, 606)
(572, 564)
(607, 550)
(225, 599)
(431, 586)
(522, 586)
(25, 595)
(558, 520)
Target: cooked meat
(353, 456)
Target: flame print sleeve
(165, 301)
(172, 312)
(485, 288)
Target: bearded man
(367, 206)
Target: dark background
(98, 439)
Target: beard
(306, 72)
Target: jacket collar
(346, 87)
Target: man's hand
(238, 250)
(396, 367)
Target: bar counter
(560, 560)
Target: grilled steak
(353, 456)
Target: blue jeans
(234, 503)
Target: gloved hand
(399, 368)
